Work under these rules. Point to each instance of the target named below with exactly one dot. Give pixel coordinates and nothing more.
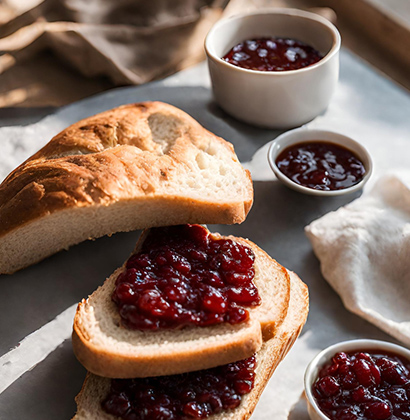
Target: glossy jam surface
(195, 395)
(272, 54)
(321, 166)
(183, 276)
(363, 386)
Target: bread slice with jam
(95, 388)
(106, 345)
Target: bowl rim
(277, 11)
(331, 137)
(348, 345)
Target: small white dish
(274, 99)
(326, 355)
(304, 134)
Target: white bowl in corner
(304, 134)
(274, 99)
(326, 355)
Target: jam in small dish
(364, 386)
(321, 165)
(194, 395)
(185, 276)
(272, 54)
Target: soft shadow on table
(299, 410)
(39, 293)
(46, 392)
(259, 136)
(23, 116)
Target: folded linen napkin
(364, 251)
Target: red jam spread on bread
(321, 166)
(184, 276)
(364, 386)
(272, 54)
(194, 395)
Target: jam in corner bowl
(359, 380)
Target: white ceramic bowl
(274, 99)
(325, 356)
(304, 134)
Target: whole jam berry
(194, 395)
(272, 54)
(321, 166)
(183, 276)
(363, 386)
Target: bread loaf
(136, 166)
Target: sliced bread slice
(95, 388)
(107, 349)
(133, 167)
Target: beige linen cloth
(117, 43)
(364, 252)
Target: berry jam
(183, 276)
(272, 54)
(321, 166)
(194, 395)
(363, 386)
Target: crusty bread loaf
(95, 388)
(136, 166)
(107, 349)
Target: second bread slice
(107, 349)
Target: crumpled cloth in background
(364, 252)
(121, 42)
(54, 52)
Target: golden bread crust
(137, 152)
